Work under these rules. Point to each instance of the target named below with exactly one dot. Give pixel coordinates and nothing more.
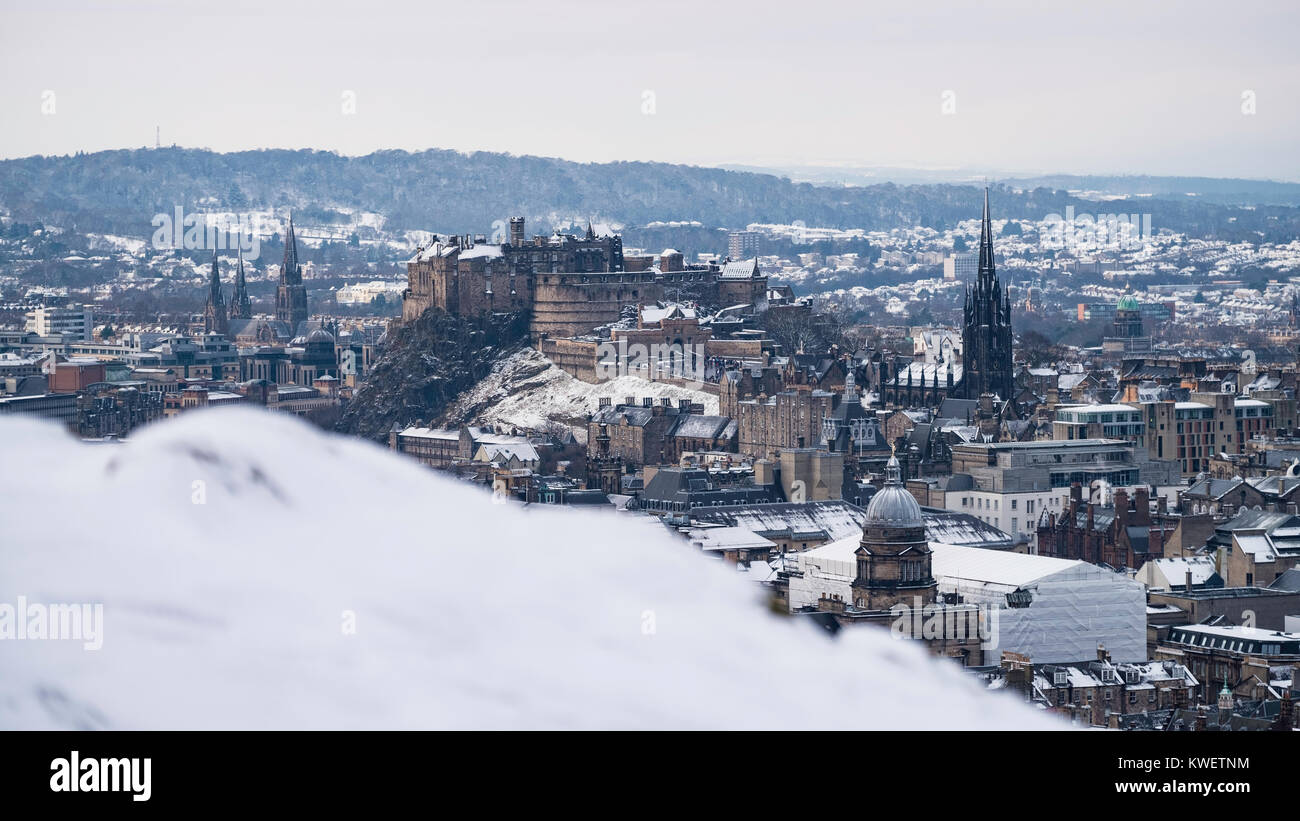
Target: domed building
(1126, 331)
(893, 558)
(1128, 317)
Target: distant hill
(119, 191)
(1222, 191)
(1207, 189)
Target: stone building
(1123, 534)
(304, 361)
(641, 433)
(789, 419)
(1097, 692)
(893, 561)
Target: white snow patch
(468, 614)
(526, 390)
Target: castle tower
(893, 558)
(986, 327)
(215, 319)
(291, 295)
(241, 307)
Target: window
(1013, 504)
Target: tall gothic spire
(291, 296)
(986, 267)
(214, 283)
(214, 315)
(290, 273)
(986, 327)
(241, 307)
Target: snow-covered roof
(997, 567)
(504, 452)
(741, 269)
(481, 252)
(430, 433)
(727, 538)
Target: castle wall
(576, 357)
(574, 304)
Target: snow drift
(255, 573)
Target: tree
(106, 332)
(920, 316)
(1037, 349)
(795, 330)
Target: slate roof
(699, 426)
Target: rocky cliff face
(427, 363)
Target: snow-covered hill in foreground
(226, 603)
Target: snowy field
(256, 573)
(526, 390)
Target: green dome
(1128, 302)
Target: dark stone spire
(291, 295)
(986, 328)
(290, 272)
(986, 267)
(241, 307)
(214, 314)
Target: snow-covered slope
(226, 604)
(527, 390)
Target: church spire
(214, 315)
(290, 274)
(291, 296)
(986, 242)
(241, 307)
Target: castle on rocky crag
(570, 284)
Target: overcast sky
(1088, 87)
